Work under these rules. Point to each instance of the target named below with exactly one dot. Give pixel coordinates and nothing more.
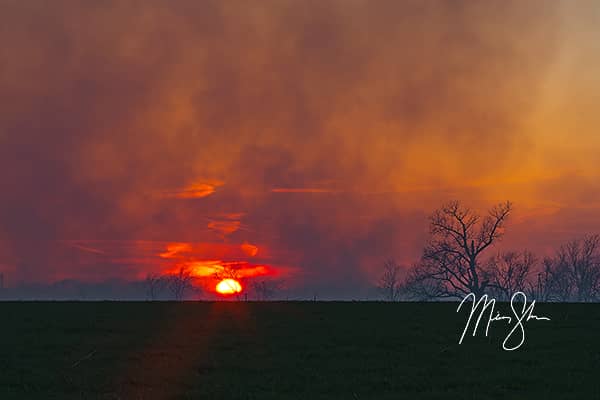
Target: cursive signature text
(521, 314)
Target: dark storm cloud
(106, 104)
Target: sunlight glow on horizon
(228, 286)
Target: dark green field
(296, 350)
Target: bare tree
(228, 271)
(552, 282)
(423, 283)
(573, 274)
(390, 283)
(539, 288)
(560, 284)
(510, 272)
(154, 284)
(265, 289)
(579, 260)
(451, 262)
(180, 283)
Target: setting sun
(229, 286)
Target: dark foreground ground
(302, 351)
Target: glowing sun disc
(228, 286)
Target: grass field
(295, 350)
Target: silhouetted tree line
(456, 261)
(176, 286)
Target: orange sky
(322, 133)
